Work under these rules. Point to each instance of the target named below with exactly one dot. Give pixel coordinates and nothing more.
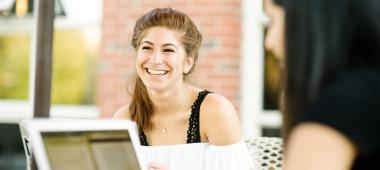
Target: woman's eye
(168, 50)
(146, 48)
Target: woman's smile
(153, 71)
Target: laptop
(77, 144)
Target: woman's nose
(157, 58)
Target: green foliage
(73, 68)
(14, 66)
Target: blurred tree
(14, 66)
(73, 68)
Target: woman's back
(350, 105)
(331, 56)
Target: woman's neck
(171, 101)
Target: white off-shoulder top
(200, 156)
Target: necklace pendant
(165, 131)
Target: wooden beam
(43, 48)
(41, 63)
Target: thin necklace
(164, 130)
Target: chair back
(266, 152)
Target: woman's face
(161, 59)
(274, 40)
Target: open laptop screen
(91, 150)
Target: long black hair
(322, 39)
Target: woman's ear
(188, 64)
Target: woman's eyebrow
(148, 42)
(169, 44)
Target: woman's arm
(122, 113)
(219, 120)
(315, 146)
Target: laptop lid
(82, 144)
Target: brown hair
(141, 107)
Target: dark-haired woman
(330, 53)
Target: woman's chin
(157, 87)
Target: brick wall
(218, 67)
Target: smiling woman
(172, 112)
(161, 59)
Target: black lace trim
(193, 134)
(143, 140)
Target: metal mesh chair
(266, 152)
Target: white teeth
(156, 72)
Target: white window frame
(12, 111)
(253, 116)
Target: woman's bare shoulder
(122, 113)
(219, 115)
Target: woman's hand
(157, 166)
